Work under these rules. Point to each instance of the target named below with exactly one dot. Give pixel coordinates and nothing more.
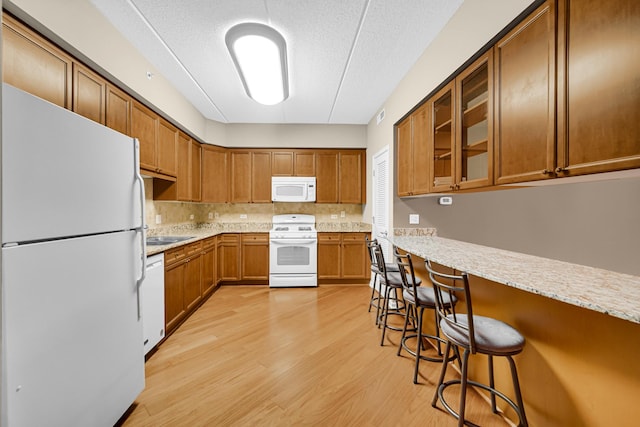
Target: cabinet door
(474, 129)
(327, 177)
(304, 163)
(196, 171)
(355, 257)
(118, 110)
(350, 177)
(404, 165)
(214, 175)
(34, 65)
(240, 176)
(173, 296)
(255, 256)
(229, 257)
(329, 255)
(183, 177)
(167, 149)
(192, 282)
(209, 261)
(420, 150)
(599, 86)
(261, 177)
(442, 147)
(525, 100)
(89, 93)
(282, 163)
(144, 126)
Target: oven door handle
(294, 242)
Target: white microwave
(293, 188)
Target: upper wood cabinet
(282, 163)
(215, 174)
(250, 176)
(89, 93)
(158, 142)
(351, 177)
(187, 186)
(195, 170)
(599, 86)
(525, 94)
(261, 176)
(118, 110)
(33, 64)
(304, 163)
(327, 177)
(240, 174)
(167, 148)
(442, 145)
(412, 144)
(293, 163)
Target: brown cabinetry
(89, 93)
(351, 177)
(525, 94)
(293, 163)
(214, 174)
(255, 256)
(33, 64)
(118, 110)
(327, 177)
(412, 153)
(229, 257)
(261, 177)
(187, 186)
(209, 265)
(158, 142)
(598, 86)
(250, 176)
(342, 256)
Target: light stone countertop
(605, 291)
(203, 231)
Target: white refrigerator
(73, 254)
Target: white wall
(472, 26)
(296, 136)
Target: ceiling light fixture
(260, 55)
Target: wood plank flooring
(254, 356)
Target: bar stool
(475, 334)
(419, 298)
(391, 283)
(374, 300)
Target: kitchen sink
(166, 240)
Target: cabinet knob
(559, 170)
(546, 172)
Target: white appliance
(293, 251)
(152, 302)
(73, 255)
(293, 188)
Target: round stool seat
(491, 336)
(426, 297)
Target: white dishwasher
(152, 302)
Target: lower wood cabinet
(343, 256)
(255, 256)
(209, 265)
(229, 257)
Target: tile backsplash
(172, 213)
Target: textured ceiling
(345, 56)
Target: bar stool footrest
(422, 356)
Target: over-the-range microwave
(293, 188)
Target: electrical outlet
(243, 216)
(158, 219)
(414, 219)
(216, 215)
(210, 215)
(343, 214)
(191, 216)
(334, 216)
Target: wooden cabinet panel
(240, 176)
(329, 255)
(118, 110)
(89, 93)
(192, 282)
(354, 259)
(32, 64)
(282, 163)
(261, 177)
(195, 166)
(209, 264)
(144, 126)
(167, 148)
(599, 86)
(404, 162)
(255, 256)
(351, 177)
(441, 149)
(525, 100)
(229, 257)
(173, 296)
(304, 163)
(327, 177)
(214, 174)
(183, 177)
(412, 145)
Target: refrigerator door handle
(142, 229)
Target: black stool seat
(491, 336)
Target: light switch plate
(445, 200)
(414, 219)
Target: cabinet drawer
(174, 255)
(328, 237)
(230, 238)
(255, 238)
(208, 243)
(193, 249)
(353, 237)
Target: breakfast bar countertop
(605, 291)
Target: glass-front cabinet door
(442, 149)
(474, 130)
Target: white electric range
(293, 251)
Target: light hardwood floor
(254, 356)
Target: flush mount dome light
(260, 55)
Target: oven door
(293, 256)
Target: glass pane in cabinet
(442, 141)
(475, 132)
